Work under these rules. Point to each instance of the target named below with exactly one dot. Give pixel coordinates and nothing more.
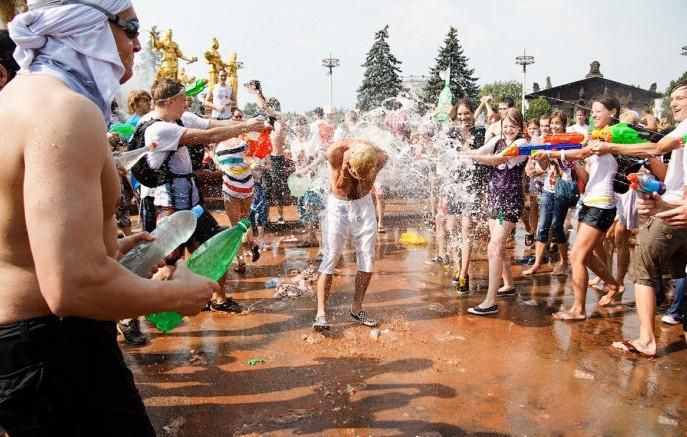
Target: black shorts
(598, 218)
(67, 377)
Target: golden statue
(184, 78)
(214, 59)
(170, 53)
(233, 78)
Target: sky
(282, 43)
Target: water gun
(646, 183)
(566, 138)
(124, 130)
(196, 88)
(620, 133)
(533, 149)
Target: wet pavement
(430, 369)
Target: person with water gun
(662, 243)
(596, 214)
(505, 203)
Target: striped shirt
(237, 178)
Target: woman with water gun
(505, 202)
(595, 216)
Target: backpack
(146, 175)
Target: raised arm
(220, 133)
(68, 173)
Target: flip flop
(629, 347)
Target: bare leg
(362, 281)
(622, 244)
(324, 287)
(440, 224)
(534, 213)
(562, 267)
(451, 238)
(466, 250)
(585, 242)
(645, 298)
(280, 211)
(539, 249)
(496, 250)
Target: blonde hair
(363, 159)
(629, 117)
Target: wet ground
(431, 369)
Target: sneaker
(321, 324)
(506, 293)
(463, 286)
(435, 260)
(228, 306)
(484, 311)
(131, 332)
(671, 320)
(362, 318)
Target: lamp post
(524, 60)
(331, 63)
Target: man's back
(41, 135)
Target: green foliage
(499, 90)
(462, 82)
(537, 107)
(665, 106)
(381, 79)
(250, 109)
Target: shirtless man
(62, 288)
(350, 213)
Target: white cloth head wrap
(72, 42)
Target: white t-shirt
(577, 129)
(677, 167)
(221, 96)
(599, 192)
(166, 135)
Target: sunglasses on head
(130, 27)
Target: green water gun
(124, 130)
(620, 133)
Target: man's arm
(63, 206)
(220, 133)
(643, 150)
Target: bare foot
(568, 315)
(560, 270)
(636, 347)
(532, 270)
(608, 298)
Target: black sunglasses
(130, 27)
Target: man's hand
(127, 243)
(257, 124)
(195, 290)
(675, 218)
(649, 205)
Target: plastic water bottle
(171, 232)
(213, 258)
(272, 283)
(126, 160)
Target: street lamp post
(524, 60)
(331, 63)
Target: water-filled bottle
(126, 160)
(171, 232)
(213, 258)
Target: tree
(537, 107)
(381, 80)
(499, 90)
(250, 109)
(665, 105)
(462, 82)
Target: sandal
(320, 324)
(362, 318)
(506, 293)
(484, 311)
(627, 346)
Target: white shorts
(626, 209)
(349, 218)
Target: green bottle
(445, 102)
(213, 258)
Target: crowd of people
(63, 198)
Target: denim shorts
(598, 218)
